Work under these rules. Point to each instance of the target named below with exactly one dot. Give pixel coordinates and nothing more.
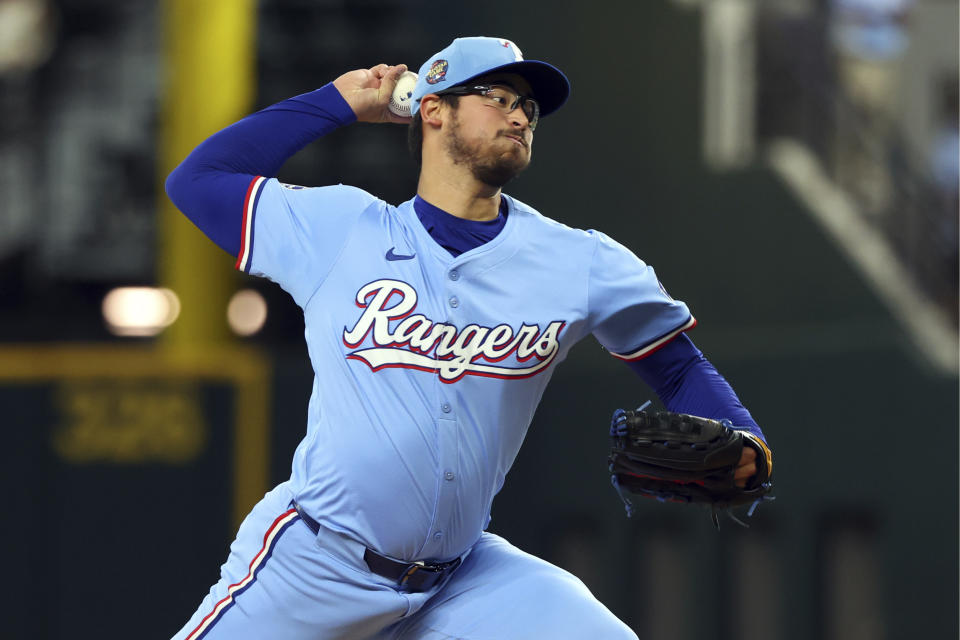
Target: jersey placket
(448, 438)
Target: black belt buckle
(415, 577)
(420, 576)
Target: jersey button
(454, 275)
(438, 535)
(445, 407)
(454, 302)
(449, 476)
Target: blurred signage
(136, 406)
(129, 422)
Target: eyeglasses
(504, 98)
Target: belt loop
(413, 569)
(312, 524)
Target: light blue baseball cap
(468, 58)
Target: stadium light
(246, 312)
(140, 311)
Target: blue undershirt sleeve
(686, 382)
(212, 184)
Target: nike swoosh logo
(393, 256)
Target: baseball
(400, 101)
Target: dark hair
(415, 130)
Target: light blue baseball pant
(282, 582)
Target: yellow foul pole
(209, 55)
(209, 75)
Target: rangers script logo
(416, 342)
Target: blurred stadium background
(789, 166)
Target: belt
(410, 576)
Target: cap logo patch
(438, 71)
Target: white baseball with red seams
(402, 97)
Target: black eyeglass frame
(484, 89)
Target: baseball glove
(674, 457)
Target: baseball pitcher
(433, 327)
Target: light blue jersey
(428, 367)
